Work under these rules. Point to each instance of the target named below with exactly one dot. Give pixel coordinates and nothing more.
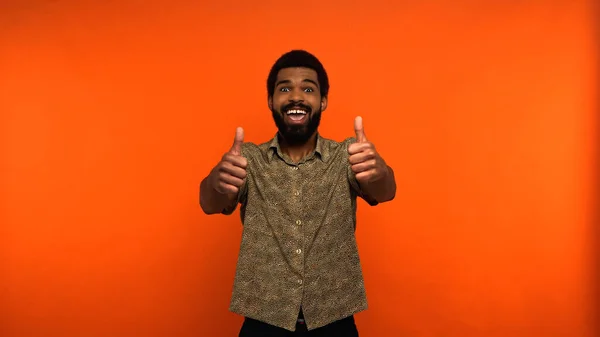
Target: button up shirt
(298, 246)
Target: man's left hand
(367, 164)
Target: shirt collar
(321, 150)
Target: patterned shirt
(298, 247)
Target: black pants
(342, 328)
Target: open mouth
(296, 115)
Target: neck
(298, 151)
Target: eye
(284, 89)
(309, 90)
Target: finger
(363, 166)
(365, 175)
(236, 160)
(358, 128)
(224, 188)
(227, 179)
(236, 171)
(355, 148)
(360, 157)
(237, 142)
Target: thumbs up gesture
(367, 164)
(229, 174)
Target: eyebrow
(288, 81)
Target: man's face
(297, 104)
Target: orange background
(112, 112)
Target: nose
(297, 95)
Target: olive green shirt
(298, 246)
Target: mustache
(298, 106)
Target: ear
(270, 102)
(323, 103)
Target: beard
(295, 135)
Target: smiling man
(298, 271)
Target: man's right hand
(229, 174)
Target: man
(298, 272)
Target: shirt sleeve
(352, 178)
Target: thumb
(360, 131)
(237, 142)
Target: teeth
(290, 112)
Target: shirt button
(299, 281)
(298, 222)
(298, 251)
(297, 193)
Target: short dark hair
(298, 58)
